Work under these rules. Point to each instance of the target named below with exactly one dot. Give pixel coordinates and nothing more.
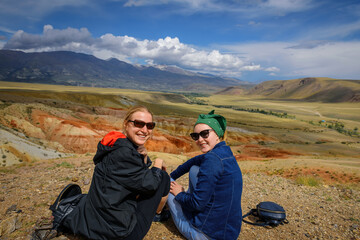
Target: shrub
(308, 181)
(65, 164)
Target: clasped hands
(175, 188)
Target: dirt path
(325, 212)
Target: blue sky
(252, 40)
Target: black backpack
(65, 203)
(267, 214)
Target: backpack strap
(251, 212)
(254, 213)
(70, 190)
(261, 224)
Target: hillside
(236, 90)
(58, 123)
(77, 69)
(305, 89)
(310, 89)
(72, 120)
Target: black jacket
(120, 175)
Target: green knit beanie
(215, 121)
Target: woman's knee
(194, 170)
(193, 177)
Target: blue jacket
(215, 205)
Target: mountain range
(78, 69)
(305, 89)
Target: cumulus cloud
(50, 38)
(166, 50)
(171, 51)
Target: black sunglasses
(141, 124)
(204, 134)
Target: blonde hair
(223, 138)
(133, 110)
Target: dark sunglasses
(141, 124)
(204, 134)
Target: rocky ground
(323, 212)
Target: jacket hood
(112, 141)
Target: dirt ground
(322, 212)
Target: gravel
(323, 212)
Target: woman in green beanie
(211, 207)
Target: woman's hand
(159, 163)
(176, 188)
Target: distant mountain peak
(175, 69)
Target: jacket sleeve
(209, 173)
(185, 167)
(127, 168)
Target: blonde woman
(125, 194)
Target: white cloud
(196, 4)
(287, 5)
(250, 7)
(50, 38)
(167, 50)
(335, 59)
(334, 31)
(251, 68)
(171, 51)
(6, 30)
(138, 3)
(272, 69)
